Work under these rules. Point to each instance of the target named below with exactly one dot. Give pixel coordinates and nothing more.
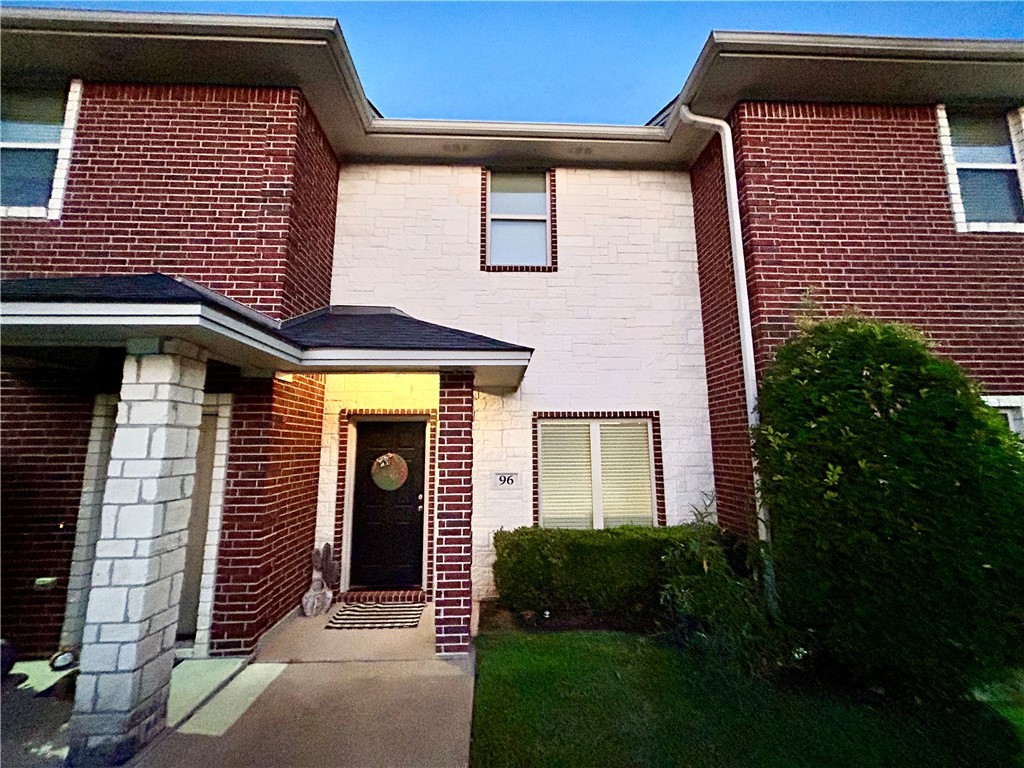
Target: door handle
(419, 508)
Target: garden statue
(320, 596)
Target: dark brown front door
(387, 517)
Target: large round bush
(896, 500)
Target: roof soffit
(311, 54)
(753, 66)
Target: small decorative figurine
(320, 596)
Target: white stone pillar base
(132, 613)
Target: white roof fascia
(132, 315)
(499, 129)
(146, 317)
(425, 358)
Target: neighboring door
(387, 510)
(198, 523)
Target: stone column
(132, 613)
(453, 590)
(87, 530)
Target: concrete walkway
(315, 697)
(37, 706)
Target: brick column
(453, 591)
(132, 613)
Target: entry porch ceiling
(311, 54)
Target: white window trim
(546, 218)
(1016, 123)
(1012, 403)
(53, 208)
(597, 514)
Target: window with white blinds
(990, 184)
(595, 474)
(983, 151)
(36, 130)
(566, 480)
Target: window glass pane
(519, 193)
(519, 243)
(26, 176)
(626, 494)
(991, 196)
(566, 482)
(980, 138)
(31, 115)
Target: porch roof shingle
(361, 327)
(333, 327)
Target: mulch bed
(494, 618)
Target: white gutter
(517, 130)
(420, 358)
(739, 262)
(739, 269)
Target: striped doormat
(376, 616)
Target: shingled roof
(358, 327)
(333, 327)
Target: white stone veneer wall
(132, 613)
(220, 405)
(87, 530)
(616, 328)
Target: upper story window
(984, 154)
(518, 228)
(36, 131)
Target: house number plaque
(506, 480)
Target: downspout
(739, 269)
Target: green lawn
(1015, 714)
(579, 699)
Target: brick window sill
(516, 268)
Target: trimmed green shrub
(614, 574)
(896, 500)
(718, 610)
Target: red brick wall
(241, 568)
(269, 518)
(45, 420)
(453, 588)
(848, 206)
(730, 439)
(295, 436)
(851, 202)
(198, 181)
(307, 284)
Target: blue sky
(590, 62)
